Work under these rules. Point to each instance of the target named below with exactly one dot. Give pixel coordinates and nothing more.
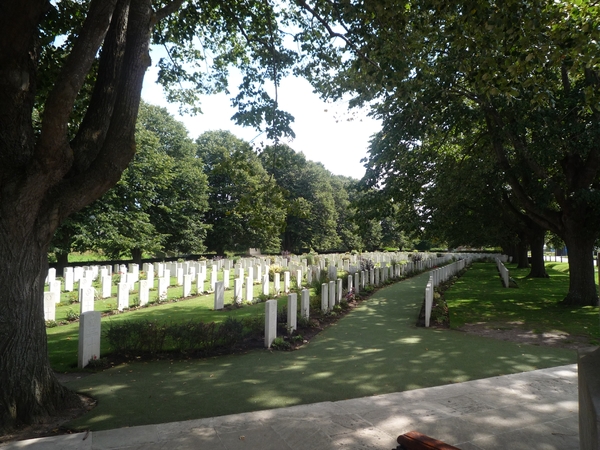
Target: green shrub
(72, 315)
(280, 344)
(193, 336)
(254, 325)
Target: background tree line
(218, 194)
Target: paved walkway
(530, 410)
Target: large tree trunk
(30, 390)
(522, 260)
(582, 283)
(46, 176)
(62, 261)
(538, 266)
(136, 255)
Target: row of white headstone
(187, 272)
(440, 275)
(332, 291)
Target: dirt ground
(516, 332)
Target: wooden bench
(413, 440)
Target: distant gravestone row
(215, 277)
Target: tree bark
(136, 255)
(30, 390)
(538, 265)
(62, 260)
(522, 260)
(582, 283)
(46, 177)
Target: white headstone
(51, 275)
(265, 284)
(55, 287)
(144, 292)
(187, 285)
(286, 282)
(237, 290)
(270, 322)
(324, 297)
(226, 281)
(305, 304)
(122, 296)
(292, 311)
(69, 279)
(200, 282)
(219, 295)
(249, 289)
(150, 277)
(89, 337)
(86, 299)
(331, 294)
(277, 283)
(163, 285)
(49, 306)
(106, 286)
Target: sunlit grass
(478, 296)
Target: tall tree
(311, 219)
(245, 206)
(526, 72)
(71, 74)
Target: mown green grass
(375, 349)
(63, 340)
(478, 296)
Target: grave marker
(89, 338)
(270, 322)
(219, 295)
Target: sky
(324, 132)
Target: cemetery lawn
(478, 301)
(375, 349)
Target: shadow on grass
(375, 349)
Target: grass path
(375, 349)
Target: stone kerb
(504, 275)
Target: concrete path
(530, 410)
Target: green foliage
(72, 315)
(280, 344)
(153, 337)
(158, 204)
(246, 207)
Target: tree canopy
(520, 78)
